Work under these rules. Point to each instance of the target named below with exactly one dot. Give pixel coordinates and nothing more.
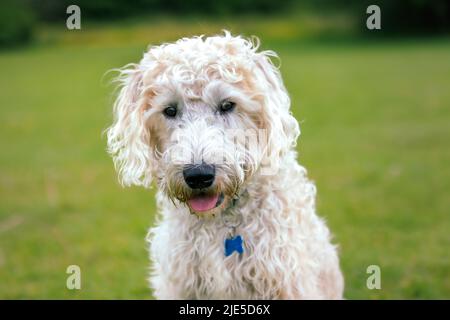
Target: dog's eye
(226, 106)
(171, 111)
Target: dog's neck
(236, 201)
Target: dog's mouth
(203, 202)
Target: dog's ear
(128, 136)
(283, 129)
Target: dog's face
(201, 116)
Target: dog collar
(232, 219)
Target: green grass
(375, 129)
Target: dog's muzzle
(199, 179)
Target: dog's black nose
(199, 176)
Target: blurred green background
(374, 109)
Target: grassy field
(375, 128)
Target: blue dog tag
(233, 244)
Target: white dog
(209, 120)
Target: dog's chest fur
(188, 252)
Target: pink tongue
(203, 203)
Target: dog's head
(202, 116)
